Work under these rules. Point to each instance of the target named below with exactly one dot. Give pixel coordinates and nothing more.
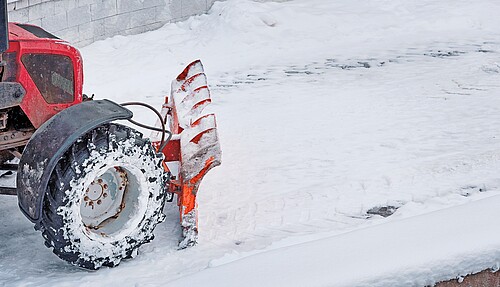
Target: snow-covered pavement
(326, 109)
(416, 251)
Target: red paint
(34, 105)
(172, 150)
(182, 76)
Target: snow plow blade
(194, 148)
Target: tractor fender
(51, 141)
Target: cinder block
(36, 22)
(163, 14)
(193, 7)
(98, 28)
(78, 16)
(102, 37)
(86, 31)
(68, 34)
(84, 2)
(154, 3)
(83, 43)
(35, 12)
(125, 6)
(21, 4)
(114, 24)
(142, 17)
(41, 10)
(91, 30)
(11, 6)
(103, 8)
(176, 9)
(20, 16)
(55, 22)
(62, 6)
(145, 28)
(34, 2)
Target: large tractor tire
(104, 198)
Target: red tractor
(94, 188)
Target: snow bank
(416, 251)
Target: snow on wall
(82, 22)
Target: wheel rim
(110, 201)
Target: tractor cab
(48, 68)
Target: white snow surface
(325, 109)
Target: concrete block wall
(82, 22)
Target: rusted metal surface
(485, 278)
(11, 94)
(12, 138)
(3, 120)
(105, 198)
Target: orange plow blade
(194, 148)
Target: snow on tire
(104, 198)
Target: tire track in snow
(447, 51)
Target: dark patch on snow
(365, 65)
(485, 51)
(444, 54)
(225, 86)
(384, 211)
(471, 189)
(289, 72)
(243, 82)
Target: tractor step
(8, 190)
(8, 166)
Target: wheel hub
(95, 192)
(103, 198)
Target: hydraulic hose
(163, 130)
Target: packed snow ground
(325, 109)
